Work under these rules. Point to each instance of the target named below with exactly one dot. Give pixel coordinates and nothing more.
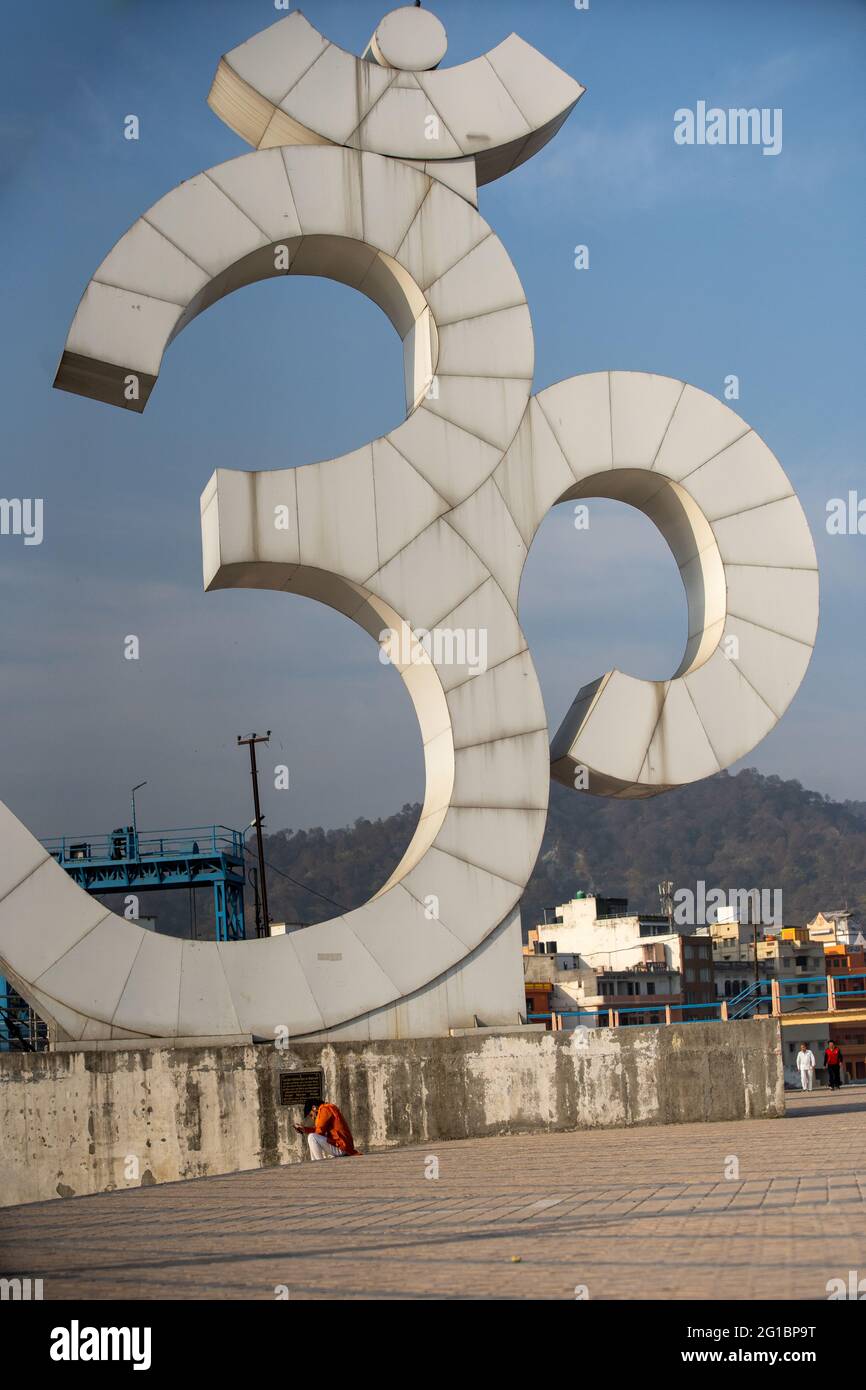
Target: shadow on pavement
(850, 1100)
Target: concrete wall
(79, 1122)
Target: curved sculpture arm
(401, 237)
(288, 85)
(745, 555)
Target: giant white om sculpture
(366, 171)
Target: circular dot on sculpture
(411, 39)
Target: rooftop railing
(750, 1002)
(126, 843)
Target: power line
(298, 883)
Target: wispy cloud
(636, 166)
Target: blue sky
(703, 262)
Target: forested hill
(747, 831)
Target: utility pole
(251, 742)
(254, 879)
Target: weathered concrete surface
(659, 1213)
(74, 1123)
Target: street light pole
(251, 742)
(134, 822)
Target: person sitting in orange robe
(329, 1136)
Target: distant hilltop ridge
(745, 831)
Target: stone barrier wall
(93, 1121)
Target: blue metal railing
(21, 1030)
(739, 1006)
(132, 861)
(750, 991)
(126, 843)
(841, 977)
(645, 1009)
(744, 1004)
(838, 981)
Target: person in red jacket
(329, 1136)
(833, 1063)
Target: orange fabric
(330, 1123)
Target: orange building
(848, 969)
(538, 993)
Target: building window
(651, 987)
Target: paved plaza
(628, 1214)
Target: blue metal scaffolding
(133, 861)
(21, 1030)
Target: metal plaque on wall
(298, 1087)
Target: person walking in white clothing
(806, 1066)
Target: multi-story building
(799, 966)
(651, 992)
(594, 963)
(745, 954)
(732, 944)
(847, 969)
(607, 963)
(538, 986)
(597, 925)
(837, 926)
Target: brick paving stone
(630, 1215)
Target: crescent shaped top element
(289, 85)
